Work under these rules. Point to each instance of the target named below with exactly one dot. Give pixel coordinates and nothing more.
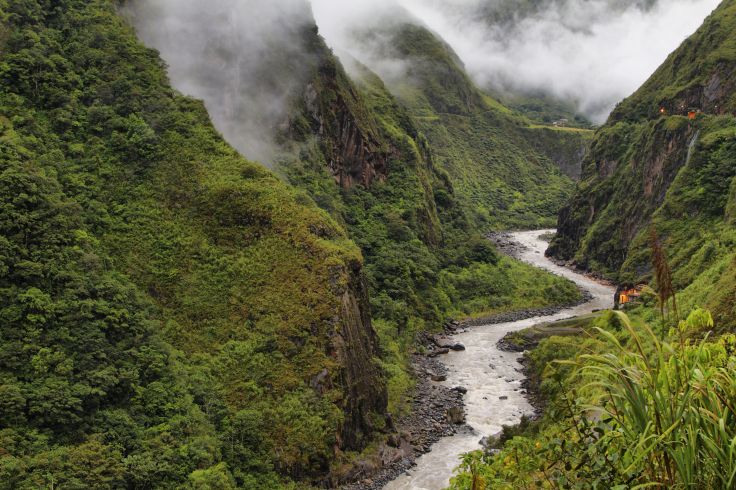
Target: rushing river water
(489, 374)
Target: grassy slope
(130, 227)
(488, 150)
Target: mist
(590, 53)
(246, 59)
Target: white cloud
(247, 58)
(591, 52)
(244, 58)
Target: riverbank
(495, 380)
(437, 410)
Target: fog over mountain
(248, 67)
(589, 52)
(245, 67)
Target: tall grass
(668, 407)
(663, 275)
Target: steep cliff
(356, 151)
(173, 314)
(665, 159)
(356, 349)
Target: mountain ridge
(671, 144)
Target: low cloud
(592, 53)
(245, 58)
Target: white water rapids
(489, 373)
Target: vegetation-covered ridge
(425, 261)
(507, 172)
(172, 314)
(666, 158)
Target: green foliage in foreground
(634, 411)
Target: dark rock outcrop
(661, 152)
(621, 202)
(350, 139)
(355, 348)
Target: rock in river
(456, 415)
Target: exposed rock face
(349, 136)
(619, 196)
(355, 348)
(659, 151)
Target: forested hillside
(173, 314)
(666, 160)
(178, 316)
(509, 171)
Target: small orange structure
(662, 110)
(692, 115)
(629, 295)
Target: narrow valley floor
(491, 376)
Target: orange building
(629, 295)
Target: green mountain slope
(175, 316)
(172, 313)
(506, 170)
(360, 155)
(652, 166)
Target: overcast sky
(591, 52)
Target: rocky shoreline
(438, 411)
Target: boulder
(456, 415)
(439, 352)
(442, 342)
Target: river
(489, 374)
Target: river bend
(493, 377)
